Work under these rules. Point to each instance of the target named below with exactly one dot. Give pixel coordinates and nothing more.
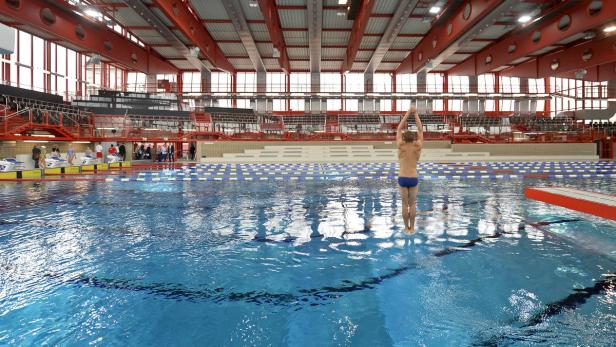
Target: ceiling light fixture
(253, 3)
(435, 9)
(342, 2)
(609, 29)
(524, 19)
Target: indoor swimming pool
(310, 263)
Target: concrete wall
(217, 149)
(521, 149)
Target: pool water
(302, 264)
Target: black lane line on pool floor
(176, 291)
(570, 302)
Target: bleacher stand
(233, 120)
(360, 123)
(305, 123)
(45, 107)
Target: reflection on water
(245, 263)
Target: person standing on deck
(36, 154)
(99, 152)
(122, 151)
(409, 151)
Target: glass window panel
(25, 48)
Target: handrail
(9, 116)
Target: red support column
(547, 104)
(445, 90)
(394, 89)
(234, 89)
(497, 89)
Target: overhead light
(105, 129)
(253, 3)
(435, 9)
(81, 142)
(524, 19)
(43, 135)
(341, 13)
(35, 141)
(151, 129)
(342, 2)
(90, 12)
(609, 29)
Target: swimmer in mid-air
(409, 150)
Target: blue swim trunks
(408, 182)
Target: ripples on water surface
(310, 264)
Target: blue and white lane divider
(372, 171)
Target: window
(351, 105)
(191, 82)
(276, 82)
(279, 105)
(354, 83)
(489, 106)
(536, 86)
(334, 105)
(455, 105)
(382, 84)
(458, 84)
(243, 103)
(331, 83)
(246, 82)
(485, 83)
(402, 105)
(507, 105)
(385, 105)
(509, 84)
(224, 102)
(435, 83)
(298, 105)
(221, 82)
(437, 105)
(406, 83)
(300, 83)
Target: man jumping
(409, 151)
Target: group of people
(164, 152)
(39, 154)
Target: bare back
(408, 154)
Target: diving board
(602, 205)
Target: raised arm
(419, 129)
(403, 125)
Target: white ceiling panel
(259, 32)
(369, 42)
(377, 25)
(295, 38)
(293, 18)
(210, 9)
(336, 38)
(333, 53)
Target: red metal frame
(581, 20)
(183, 18)
(269, 9)
(425, 49)
(357, 32)
(96, 35)
(570, 60)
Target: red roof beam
(269, 10)
(547, 32)
(359, 26)
(91, 36)
(184, 20)
(461, 25)
(574, 59)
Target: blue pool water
(301, 264)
